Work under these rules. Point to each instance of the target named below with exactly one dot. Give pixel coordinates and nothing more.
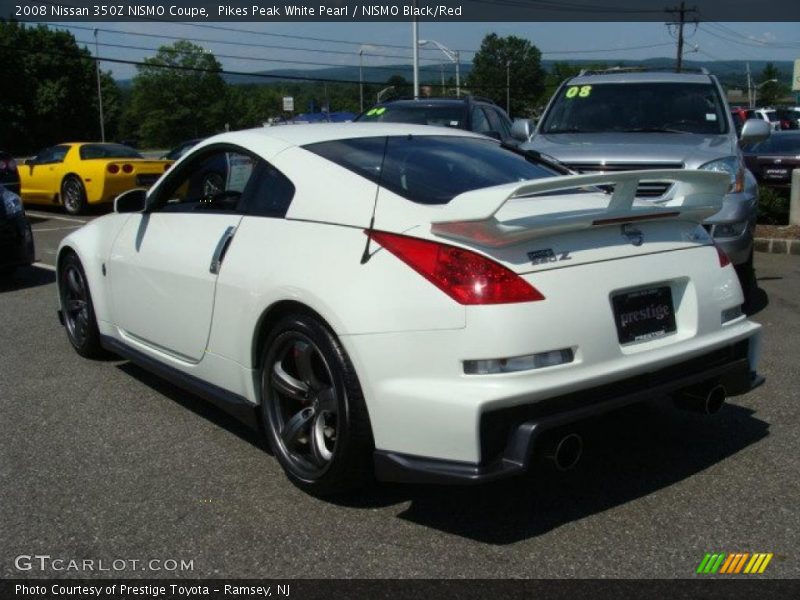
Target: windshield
(431, 169)
(418, 114)
(92, 151)
(777, 143)
(637, 107)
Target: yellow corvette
(78, 174)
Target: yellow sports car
(78, 174)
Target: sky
(260, 46)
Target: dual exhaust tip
(565, 452)
(707, 400)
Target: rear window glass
(778, 143)
(92, 151)
(418, 114)
(430, 169)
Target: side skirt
(233, 404)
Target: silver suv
(632, 119)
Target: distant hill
(730, 72)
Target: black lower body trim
(233, 404)
(522, 426)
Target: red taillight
(467, 277)
(724, 259)
(113, 169)
(126, 168)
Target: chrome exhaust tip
(567, 452)
(705, 400)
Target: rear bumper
(509, 436)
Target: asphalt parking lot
(101, 460)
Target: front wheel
(78, 310)
(313, 408)
(73, 195)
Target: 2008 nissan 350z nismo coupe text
(411, 303)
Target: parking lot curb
(777, 246)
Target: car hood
(690, 149)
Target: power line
(721, 33)
(88, 57)
(258, 59)
(340, 52)
(225, 42)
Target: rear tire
(73, 195)
(78, 310)
(313, 409)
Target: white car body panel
(162, 291)
(406, 338)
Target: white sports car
(414, 303)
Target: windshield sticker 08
(582, 91)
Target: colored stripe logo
(734, 563)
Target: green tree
(771, 92)
(178, 94)
(49, 90)
(523, 60)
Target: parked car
(16, 239)
(789, 118)
(411, 301)
(773, 160)
(768, 115)
(9, 175)
(75, 175)
(181, 149)
(619, 120)
(471, 113)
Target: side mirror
(521, 130)
(754, 131)
(131, 201)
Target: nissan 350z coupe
(408, 302)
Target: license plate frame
(644, 314)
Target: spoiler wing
(472, 216)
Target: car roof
(640, 77)
(300, 135)
(428, 101)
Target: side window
(498, 122)
(271, 193)
(214, 181)
(53, 154)
(479, 122)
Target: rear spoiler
(471, 216)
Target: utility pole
(361, 78)
(681, 11)
(750, 100)
(508, 88)
(99, 92)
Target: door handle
(221, 249)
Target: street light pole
(415, 53)
(453, 55)
(758, 87)
(508, 88)
(361, 79)
(99, 92)
(458, 73)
